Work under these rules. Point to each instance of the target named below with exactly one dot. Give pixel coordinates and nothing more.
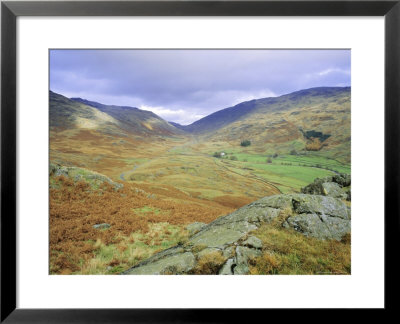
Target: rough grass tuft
(209, 263)
(288, 252)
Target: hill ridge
(226, 116)
(81, 113)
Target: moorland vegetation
(149, 179)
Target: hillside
(299, 100)
(104, 138)
(133, 119)
(294, 139)
(67, 114)
(317, 120)
(221, 118)
(99, 226)
(179, 126)
(132, 193)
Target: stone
(255, 213)
(194, 228)
(219, 236)
(332, 189)
(229, 252)
(253, 242)
(206, 252)
(317, 187)
(101, 226)
(276, 201)
(81, 174)
(319, 226)
(241, 269)
(174, 264)
(310, 204)
(61, 171)
(243, 254)
(227, 267)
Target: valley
(174, 176)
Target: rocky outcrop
(77, 174)
(194, 228)
(337, 186)
(226, 245)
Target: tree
(314, 145)
(245, 143)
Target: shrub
(293, 152)
(216, 154)
(314, 134)
(269, 160)
(275, 155)
(245, 143)
(314, 145)
(233, 158)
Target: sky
(185, 85)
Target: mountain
(299, 99)
(179, 126)
(78, 113)
(134, 119)
(66, 114)
(107, 139)
(317, 119)
(220, 118)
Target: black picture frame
(10, 10)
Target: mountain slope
(221, 118)
(179, 126)
(67, 114)
(134, 119)
(298, 99)
(105, 139)
(317, 119)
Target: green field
(287, 172)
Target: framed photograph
(160, 158)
